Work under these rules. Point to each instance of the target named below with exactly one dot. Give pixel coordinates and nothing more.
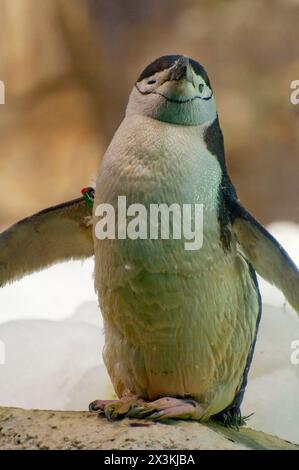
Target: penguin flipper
(265, 254)
(55, 234)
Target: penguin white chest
(152, 163)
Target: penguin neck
(203, 129)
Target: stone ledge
(39, 429)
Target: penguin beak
(182, 71)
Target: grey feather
(55, 234)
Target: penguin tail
(265, 254)
(55, 234)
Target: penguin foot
(115, 409)
(168, 408)
(158, 410)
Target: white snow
(51, 340)
(50, 294)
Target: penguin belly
(177, 322)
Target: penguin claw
(155, 416)
(139, 412)
(99, 405)
(93, 406)
(115, 409)
(111, 414)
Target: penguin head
(174, 89)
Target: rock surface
(38, 429)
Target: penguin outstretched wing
(265, 254)
(55, 234)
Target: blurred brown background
(69, 65)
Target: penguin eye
(201, 87)
(151, 82)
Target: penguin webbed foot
(157, 410)
(115, 409)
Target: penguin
(180, 325)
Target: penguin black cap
(166, 61)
